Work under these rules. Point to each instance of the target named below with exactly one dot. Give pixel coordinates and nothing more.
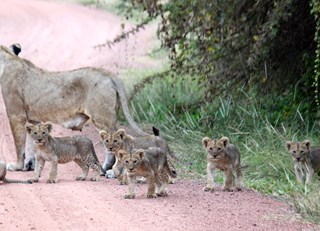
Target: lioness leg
(211, 172)
(53, 172)
(228, 182)
(19, 136)
(85, 170)
(108, 162)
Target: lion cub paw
(51, 181)
(151, 195)
(208, 189)
(228, 189)
(162, 194)
(80, 178)
(129, 196)
(95, 178)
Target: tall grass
(260, 126)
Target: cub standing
(306, 159)
(121, 140)
(62, 150)
(149, 163)
(226, 157)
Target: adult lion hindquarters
(70, 98)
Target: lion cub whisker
(61, 150)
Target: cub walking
(226, 157)
(62, 150)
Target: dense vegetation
(245, 69)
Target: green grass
(176, 106)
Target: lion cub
(226, 157)
(3, 172)
(306, 159)
(62, 150)
(121, 140)
(149, 163)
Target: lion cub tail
(172, 172)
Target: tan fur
(149, 163)
(70, 98)
(113, 142)
(226, 157)
(62, 150)
(306, 159)
(3, 172)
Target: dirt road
(60, 36)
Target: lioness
(306, 159)
(113, 142)
(3, 172)
(226, 157)
(62, 150)
(69, 98)
(148, 163)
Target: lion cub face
(113, 142)
(39, 132)
(216, 148)
(299, 151)
(131, 161)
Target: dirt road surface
(60, 36)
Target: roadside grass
(175, 106)
(259, 125)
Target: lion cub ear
(288, 145)
(29, 127)
(225, 141)
(121, 153)
(122, 133)
(205, 141)
(140, 153)
(48, 126)
(103, 135)
(307, 143)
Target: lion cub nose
(40, 139)
(298, 158)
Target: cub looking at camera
(149, 163)
(226, 157)
(306, 159)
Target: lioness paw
(14, 167)
(129, 196)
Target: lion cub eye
(294, 152)
(115, 141)
(43, 133)
(219, 149)
(35, 133)
(127, 162)
(135, 161)
(301, 152)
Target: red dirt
(60, 36)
